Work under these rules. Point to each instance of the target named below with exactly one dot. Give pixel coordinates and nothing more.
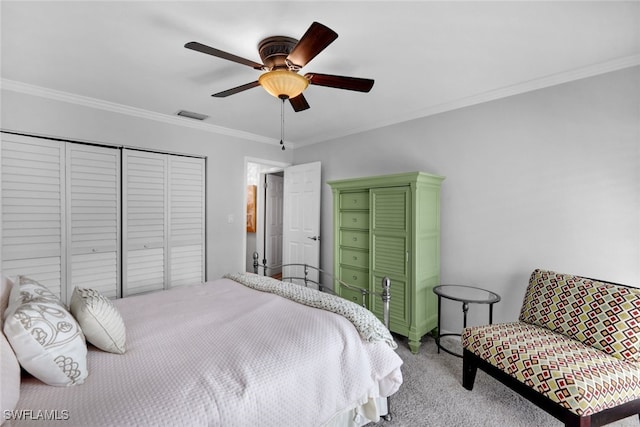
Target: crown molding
(517, 89)
(29, 89)
(528, 86)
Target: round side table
(466, 295)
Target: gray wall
(547, 179)
(225, 159)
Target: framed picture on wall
(251, 208)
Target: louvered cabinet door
(390, 248)
(93, 219)
(144, 220)
(186, 220)
(33, 203)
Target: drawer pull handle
(355, 277)
(354, 219)
(355, 258)
(355, 201)
(355, 239)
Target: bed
(236, 351)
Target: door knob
(316, 238)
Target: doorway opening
(286, 215)
(264, 221)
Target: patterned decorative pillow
(45, 337)
(601, 315)
(99, 319)
(30, 290)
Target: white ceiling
(425, 56)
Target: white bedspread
(221, 354)
(366, 323)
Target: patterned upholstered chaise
(575, 350)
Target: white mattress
(221, 354)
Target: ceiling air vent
(192, 115)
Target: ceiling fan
(282, 58)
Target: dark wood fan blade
(299, 103)
(314, 41)
(235, 90)
(199, 47)
(340, 82)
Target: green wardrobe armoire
(390, 226)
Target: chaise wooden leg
(575, 421)
(469, 369)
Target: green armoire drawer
(354, 277)
(354, 257)
(358, 220)
(354, 239)
(354, 201)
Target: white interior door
(33, 210)
(273, 221)
(301, 217)
(186, 248)
(144, 221)
(93, 219)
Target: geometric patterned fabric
(601, 315)
(578, 377)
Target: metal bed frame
(385, 295)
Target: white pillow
(6, 285)
(9, 366)
(45, 337)
(99, 319)
(10, 374)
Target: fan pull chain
(282, 124)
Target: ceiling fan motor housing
(274, 51)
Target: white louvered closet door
(33, 226)
(93, 219)
(186, 220)
(144, 231)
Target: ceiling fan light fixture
(283, 84)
